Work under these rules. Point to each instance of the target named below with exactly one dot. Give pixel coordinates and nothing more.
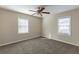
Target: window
(64, 25)
(22, 25)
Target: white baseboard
(63, 41)
(30, 37)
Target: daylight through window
(22, 25)
(64, 25)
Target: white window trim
(27, 25)
(69, 26)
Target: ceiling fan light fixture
(40, 11)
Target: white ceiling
(60, 8)
(53, 9)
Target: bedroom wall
(50, 27)
(9, 27)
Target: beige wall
(50, 27)
(9, 28)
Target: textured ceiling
(53, 9)
(60, 8)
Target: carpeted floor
(39, 46)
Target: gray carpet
(39, 46)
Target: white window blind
(64, 25)
(22, 25)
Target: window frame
(69, 25)
(27, 31)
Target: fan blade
(41, 14)
(33, 13)
(42, 9)
(32, 10)
(46, 12)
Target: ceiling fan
(39, 11)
